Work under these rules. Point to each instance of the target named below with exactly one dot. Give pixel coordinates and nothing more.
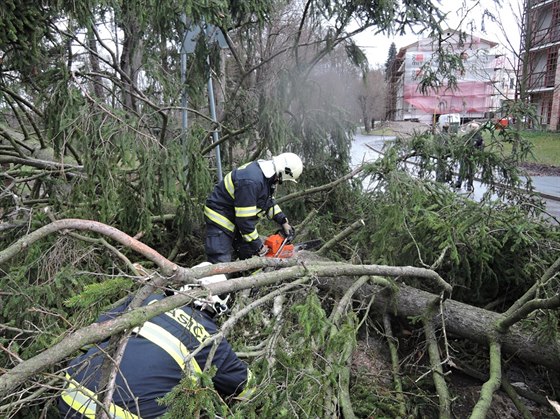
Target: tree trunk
(131, 57)
(461, 319)
(97, 80)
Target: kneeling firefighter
(154, 362)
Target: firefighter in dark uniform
(235, 205)
(154, 363)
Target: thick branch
(168, 268)
(395, 369)
(549, 273)
(435, 365)
(526, 309)
(41, 164)
(492, 385)
(344, 233)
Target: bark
(131, 57)
(94, 61)
(462, 320)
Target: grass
(546, 147)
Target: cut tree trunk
(462, 320)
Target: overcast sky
(377, 46)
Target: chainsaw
(279, 246)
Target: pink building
(482, 86)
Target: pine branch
(338, 238)
(321, 188)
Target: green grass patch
(546, 146)
(379, 132)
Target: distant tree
(371, 98)
(390, 58)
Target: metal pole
(212, 105)
(184, 97)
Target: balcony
(545, 37)
(537, 3)
(541, 80)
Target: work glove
(263, 250)
(289, 232)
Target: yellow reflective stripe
(219, 219)
(228, 183)
(254, 235)
(243, 166)
(169, 343)
(249, 385)
(83, 401)
(274, 210)
(246, 211)
(196, 329)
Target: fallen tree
(352, 282)
(461, 319)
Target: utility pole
(184, 95)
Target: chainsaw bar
(309, 245)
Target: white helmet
(288, 166)
(212, 302)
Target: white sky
(377, 46)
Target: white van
(449, 122)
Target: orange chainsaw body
(275, 249)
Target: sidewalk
(549, 189)
(548, 186)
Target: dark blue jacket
(151, 365)
(240, 199)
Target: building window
(551, 61)
(546, 109)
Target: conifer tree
(391, 55)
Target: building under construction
(539, 67)
(482, 85)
